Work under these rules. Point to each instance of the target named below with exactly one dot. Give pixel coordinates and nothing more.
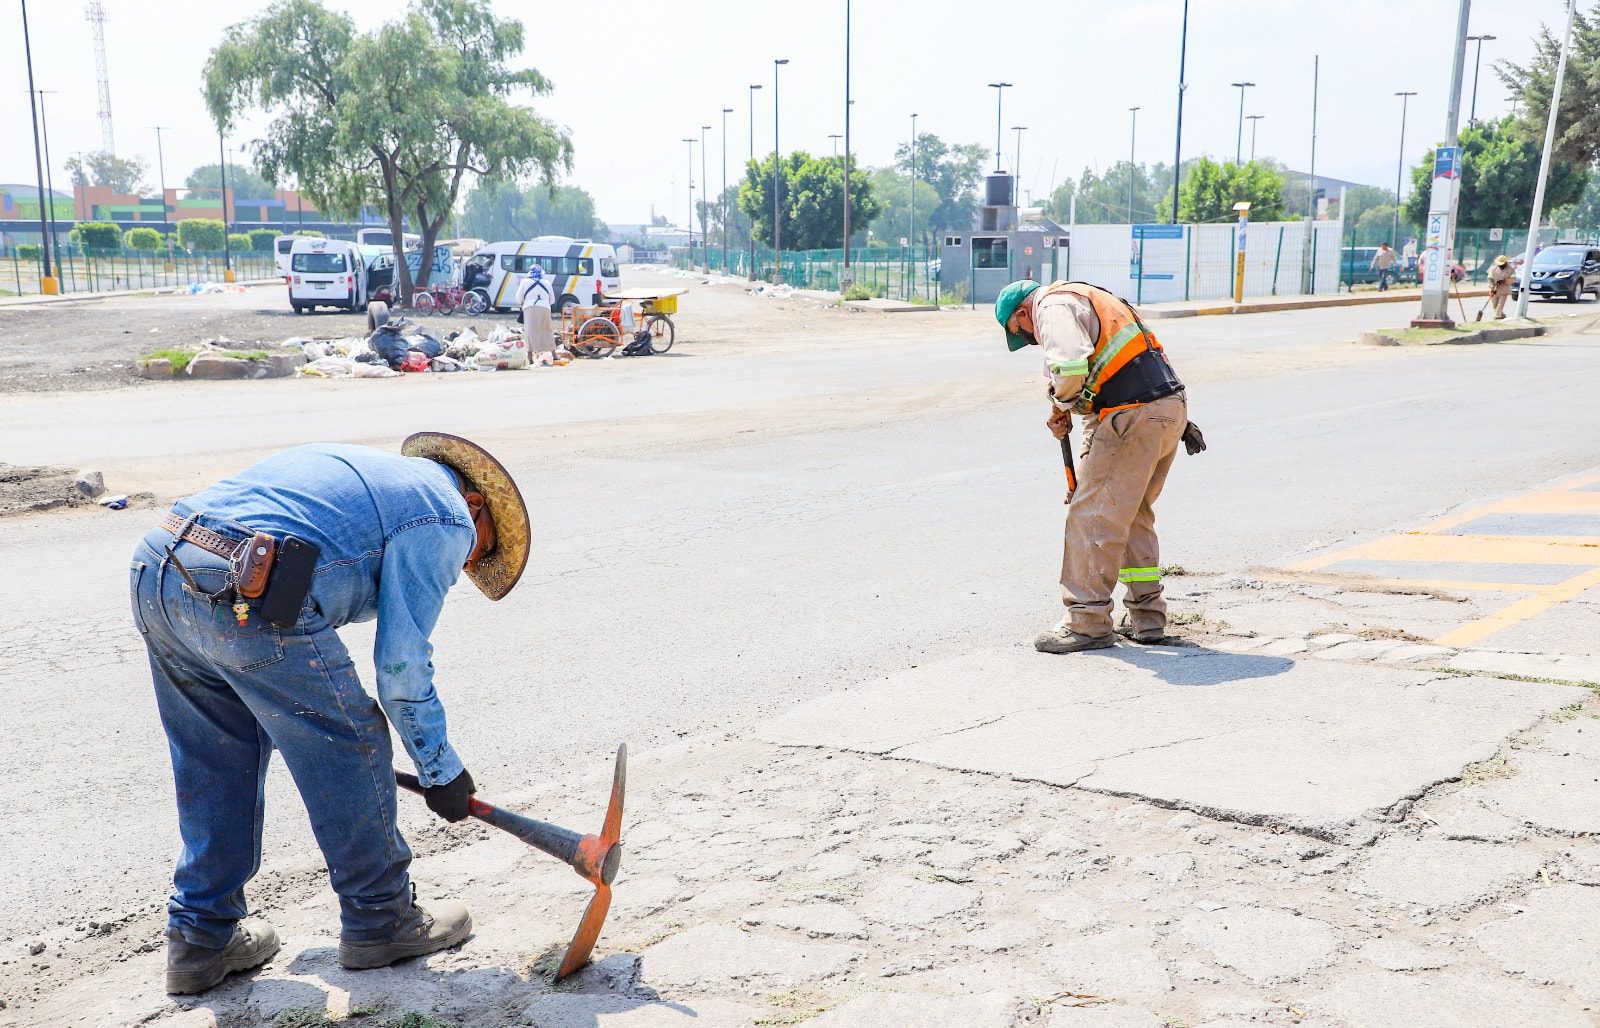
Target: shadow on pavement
(1198, 665)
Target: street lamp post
(999, 95)
(911, 234)
(1472, 117)
(751, 271)
(1394, 230)
(1238, 144)
(222, 170)
(705, 205)
(1177, 147)
(1133, 134)
(724, 198)
(845, 277)
(777, 180)
(690, 141)
(835, 136)
(1019, 129)
(49, 173)
(47, 281)
(161, 163)
(1253, 119)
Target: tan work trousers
(1111, 525)
(536, 331)
(1500, 296)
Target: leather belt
(211, 542)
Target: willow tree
(394, 118)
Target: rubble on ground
(28, 488)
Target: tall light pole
(777, 180)
(47, 281)
(222, 170)
(724, 198)
(1133, 133)
(1252, 119)
(1544, 162)
(845, 278)
(912, 234)
(1311, 187)
(161, 163)
(1472, 117)
(1017, 164)
(835, 136)
(1238, 143)
(751, 271)
(1177, 147)
(1400, 164)
(705, 205)
(1435, 307)
(49, 172)
(690, 141)
(999, 95)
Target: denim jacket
(393, 533)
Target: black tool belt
(1146, 378)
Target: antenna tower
(96, 14)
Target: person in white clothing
(534, 297)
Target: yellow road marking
(1522, 610)
(1465, 549)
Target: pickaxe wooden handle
(596, 858)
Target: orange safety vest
(1122, 337)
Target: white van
(281, 248)
(577, 270)
(326, 273)
(383, 237)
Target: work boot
(192, 969)
(1062, 639)
(417, 933)
(1146, 636)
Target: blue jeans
(1383, 279)
(230, 694)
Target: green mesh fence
(96, 271)
(909, 273)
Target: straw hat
(1502, 260)
(498, 570)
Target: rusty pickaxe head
(596, 858)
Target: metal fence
(1475, 250)
(909, 273)
(96, 271)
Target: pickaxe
(596, 858)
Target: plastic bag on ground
(331, 367)
(416, 360)
(378, 370)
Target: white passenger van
(281, 248)
(326, 273)
(577, 270)
(383, 237)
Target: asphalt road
(717, 539)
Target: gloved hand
(1193, 441)
(1059, 423)
(449, 800)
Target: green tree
(1375, 221)
(504, 210)
(955, 172)
(123, 175)
(812, 203)
(239, 242)
(203, 235)
(97, 235)
(1499, 173)
(1210, 190)
(245, 181)
(1584, 214)
(1578, 124)
(1358, 200)
(145, 239)
(397, 116)
(263, 240)
(309, 233)
(893, 190)
(1103, 197)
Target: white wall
(1200, 264)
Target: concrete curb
(1298, 303)
(29, 301)
(1491, 334)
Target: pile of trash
(782, 291)
(402, 346)
(198, 288)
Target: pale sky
(633, 78)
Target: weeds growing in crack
(1495, 768)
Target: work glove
(450, 800)
(1193, 441)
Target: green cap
(1006, 304)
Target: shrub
(146, 239)
(857, 291)
(262, 240)
(30, 251)
(238, 242)
(201, 234)
(310, 233)
(97, 235)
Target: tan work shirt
(1500, 276)
(1067, 328)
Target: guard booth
(1005, 244)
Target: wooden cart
(639, 321)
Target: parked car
(1355, 267)
(1563, 269)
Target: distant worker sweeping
(238, 594)
(1105, 366)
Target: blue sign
(1447, 162)
(1157, 231)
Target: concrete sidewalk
(36, 299)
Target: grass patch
(1376, 633)
(857, 291)
(1495, 768)
(417, 1019)
(179, 359)
(305, 1017)
(246, 355)
(1422, 336)
(1593, 687)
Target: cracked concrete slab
(1554, 940)
(1313, 746)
